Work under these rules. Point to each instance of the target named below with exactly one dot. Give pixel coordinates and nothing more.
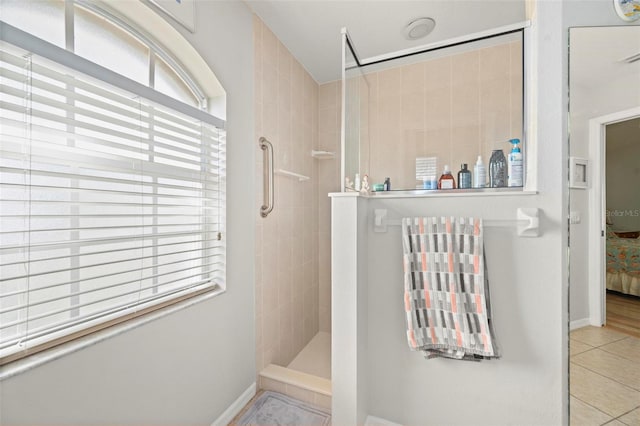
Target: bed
(623, 264)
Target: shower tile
(495, 63)
(328, 94)
(324, 323)
(515, 90)
(389, 114)
(282, 152)
(466, 104)
(270, 47)
(438, 114)
(270, 327)
(259, 358)
(284, 61)
(465, 68)
(388, 82)
(284, 98)
(329, 120)
(269, 294)
(270, 85)
(297, 79)
(269, 255)
(257, 33)
(270, 119)
(259, 304)
(258, 107)
(412, 78)
(467, 148)
(325, 295)
(285, 295)
(268, 355)
(286, 346)
(413, 111)
(438, 73)
(258, 85)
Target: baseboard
(237, 405)
(579, 323)
(377, 421)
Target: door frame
(597, 205)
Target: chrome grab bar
(267, 147)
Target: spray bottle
(479, 174)
(514, 164)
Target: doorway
(603, 213)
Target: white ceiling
(310, 29)
(596, 54)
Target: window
(112, 200)
(99, 40)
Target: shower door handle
(267, 147)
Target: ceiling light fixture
(418, 28)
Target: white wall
(187, 367)
(587, 103)
(527, 385)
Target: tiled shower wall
(454, 108)
(287, 279)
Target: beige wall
(287, 292)
(454, 107)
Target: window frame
(67, 58)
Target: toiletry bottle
(387, 184)
(446, 180)
(497, 169)
(479, 174)
(356, 182)
(464, 177)
(433, 182)
(514, 163)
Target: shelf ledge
(323, 155)
(292, 174)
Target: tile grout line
(583, 352)
(617, 354)
(624, 414)
(602, 344)
(596, 408)
(607, 377)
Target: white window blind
(110, 204)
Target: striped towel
(446, 292)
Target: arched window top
(126, 37)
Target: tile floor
(604, 377)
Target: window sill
(32, 361)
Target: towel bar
(527, 222)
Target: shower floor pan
(307, 377)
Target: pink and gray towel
(446, 293)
